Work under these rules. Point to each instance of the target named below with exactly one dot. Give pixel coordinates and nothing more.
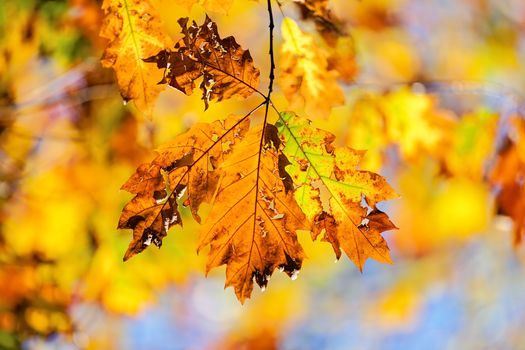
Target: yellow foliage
(408, 119)
(367, 131)
(20, 41)
(435, 212)
(470, 144)
(53, 228)
(411, 121)
(461, 210)
(305, 76)
(135, 32)
(388, 55)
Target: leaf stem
(272, 59)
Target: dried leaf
(333, 194)
(304, 72)
(264, 186)
(135, 32)
(226, 69)
(253, 219)
(183, 167)
(326, 23)
(253, 222)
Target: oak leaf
(134, 31)
(182, 167)
(339, 199)
(226, 69)
(305, 76)
(264, 184)
(253, 222)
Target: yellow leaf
(409, 120)
(305, 75)
(134, 31)
(471, 144)
(435, 212)
(367, 131)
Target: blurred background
(434, 91)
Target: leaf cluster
(265, 182)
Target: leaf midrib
(312, 166)
(131, 30)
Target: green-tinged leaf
(333, 193)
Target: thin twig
(272, 59)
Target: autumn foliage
(253, 141)
(263, 182)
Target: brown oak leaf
(226, 69)
(183, 167)
(264, 184)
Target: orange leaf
(252, 225)
(183, 167)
